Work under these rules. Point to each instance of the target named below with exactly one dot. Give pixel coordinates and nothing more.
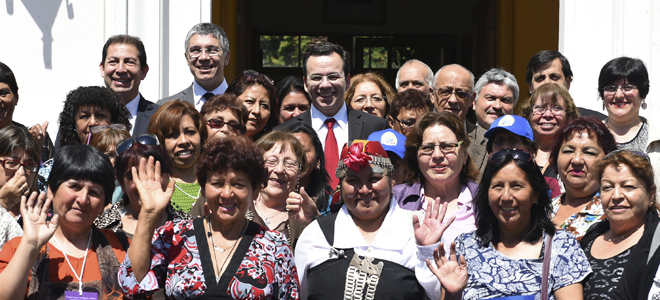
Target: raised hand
(430, 231)
(452, 274)
(147, 179)
(13, 189)
(38, 131)
(36, 231)
(302, 207)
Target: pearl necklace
(176, 185)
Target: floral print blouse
(579, 223)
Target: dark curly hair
(590, 124)
(414, 140)
(232, 153)
(240, 84)
(488, 229)
(89, 96)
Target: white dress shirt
(393, 242)
(133, 108)
(199, 91)
(340, 129)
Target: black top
(606, 274)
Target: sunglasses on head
(144, 139)
(635, 152)
(517, 154)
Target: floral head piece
(362, 153)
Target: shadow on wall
(44, 13)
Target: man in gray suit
(454, 90)
(123, 66)
(326, 74)
(207, 54)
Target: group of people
(329, 186)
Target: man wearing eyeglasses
(454, 92)
(123, 67)
(497, 93)
(326, 74)
(207, 54)
(552, 66)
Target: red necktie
(331, 153)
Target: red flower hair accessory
(355, 158)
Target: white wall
(54, 46)
(592, 32)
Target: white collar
(133, 105)
(318, 118)
(393, 232)
(199, 91)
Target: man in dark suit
(552, 66)
(207, 54)
(326, 74)
(454, 88)
(123, 67)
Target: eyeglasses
(210, 51)
(254, 74)
(144, 139)
(406, 123)
(444, 148)
(446, 92)
(99, 128)
(635, 152)
(517, 154)
(11, 164)
(612, 89)
(555, 110)
(376, 99)
(289, 164)
(318, 78)
(219, 123)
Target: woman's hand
(430, 231)
(38, 131)
(451, 273)
(147, 179)
(302, 207)
(36, 231)
(14, 188)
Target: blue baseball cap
(391, 140)
(514, 124)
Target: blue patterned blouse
(492, 275)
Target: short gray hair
(435, 78)
(209, 29)
(429, 77)
(498, 75)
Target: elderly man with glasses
(207, 54)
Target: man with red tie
(326, 73)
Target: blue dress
(493, 275)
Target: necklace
(266, 218)
(608, 236)
(222, 250)
(71, 266)
(176, 184)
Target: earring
(643, 103)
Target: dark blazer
(146, 109)
(360, 124)
(477, 148)
(185, 95)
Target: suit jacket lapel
(355, 124)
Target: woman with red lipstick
(440, 167)
(369, 250)
(580, 145)
(548, 109)
(285, 159)
(181, 132)
(370, 93)
(258, 94)
(220, 256)
(623, 85)
(515, 251)
(618, 247)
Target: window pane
(378, 58)
(365, 57)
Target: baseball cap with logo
(514, 124)
(391, 141)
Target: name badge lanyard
(71, 266)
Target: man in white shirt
(123, 67)
(207, 54)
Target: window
(283, 51)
